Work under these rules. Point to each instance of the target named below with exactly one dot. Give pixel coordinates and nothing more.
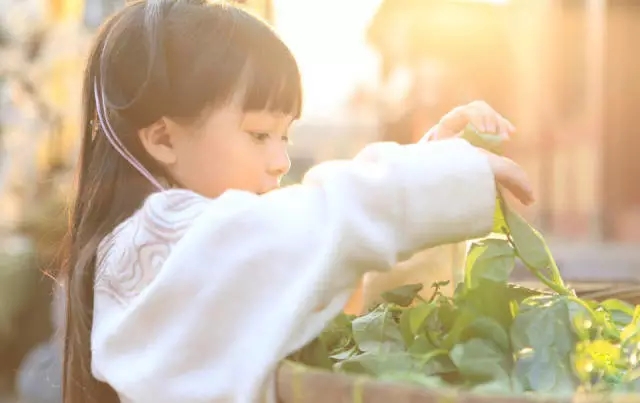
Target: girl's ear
(158, 139)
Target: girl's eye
(259, 136)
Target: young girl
(190, 275)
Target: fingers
(518, 184)
(480, 122)
(480, 115)
(485, 119)
(511, 177)
(505, 128)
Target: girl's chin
(260, 193)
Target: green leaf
(542, 338)
(408, 336)
(528, 241)
(492, 299)
(488, 329)
(492, 336)
(337, 336)
(488, 141)
(343, 355)
(490, 259)
(480, 360)
(621, 312)
(314, 354)
(372, 363)
(499, 222)
(402, 296)
(613, 305)
(440, 284)
(544, 371)
(418, 315)
(421, 345)
(632, 381)
(436, 362)
(377, 332)
(463, 319)
(604, 320)
(541, 323)
(446, 315)
(581, 320)
(380, 365)
(632, 330)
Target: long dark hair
(161, 58)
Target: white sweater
(197, 300)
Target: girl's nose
(279, 162)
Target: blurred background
(563, 71)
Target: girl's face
(226, 149)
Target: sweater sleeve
(252, 278)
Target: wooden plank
(593, 262)
(300, 384)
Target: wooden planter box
(301, 384)
(298, 383)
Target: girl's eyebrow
(267, 123)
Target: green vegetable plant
(491, 336)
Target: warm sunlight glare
(488, 1)
(328, 39)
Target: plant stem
(555, 283)
(382, 328)
(432, 354)
(557, 286)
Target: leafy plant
(491, 336)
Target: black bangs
(271, 79)
(240, 54)
(198, 57)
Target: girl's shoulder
(164, 218)
(163, 215)
(173, 205)
(145, 239)
(132, 255)
(166, 215)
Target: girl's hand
(508, 174)
(479, 114)
(511, 176)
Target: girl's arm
(425, 267)
(254, 278)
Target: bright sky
(327, 38)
